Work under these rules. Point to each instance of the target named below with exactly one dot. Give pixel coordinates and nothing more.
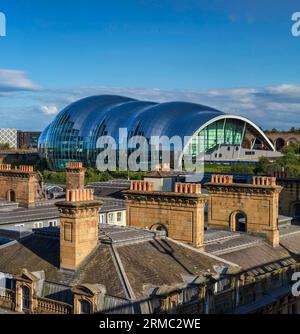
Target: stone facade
(22, 185)
(201, 296)
(75, 175)
(180, 213)
(79, 224)
(289, 199)
(280, 139)
(256, 203)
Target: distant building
(28, 139)
(282, 139)
(9, 136)
(75, 131)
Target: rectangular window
(68, 232)
(102, 219)
(119, 217)
(110, 218)
(38, 225)
(53, 223)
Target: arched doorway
(160, 228)
(85, 307)
(25, 299)
(279, 144)
(11, 196)
(238, 222)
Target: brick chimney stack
(79, 225)
(75, 175)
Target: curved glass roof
(74, 132)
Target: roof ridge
(122, 273)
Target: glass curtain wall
(222, 132)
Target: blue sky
(237, 56)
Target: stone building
(180, 213)
(136, 269)
(251, 208)
(21, 184)
(289, 200)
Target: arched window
(85, 307)
(160, 228)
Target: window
(20, 225)
(85, 307)
(119, 217)
(38, 225)
(249, 153)
(102, 219)
(110, 218)
(53, 223)
(25, 299)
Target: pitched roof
(124, 268)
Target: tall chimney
(79, 224)
(75, 175)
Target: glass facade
(222, 132)
(73, 134)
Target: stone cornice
(78, 205)
(239, 188)
(165, 197)
(79, 209)
(17, 174)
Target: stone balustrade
(6, 295)
(45, 305)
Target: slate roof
(125, 268)
(162, 262)
(254, 255)
(131, 263)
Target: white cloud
(49, 110)
(274, 106)
(14, 80)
